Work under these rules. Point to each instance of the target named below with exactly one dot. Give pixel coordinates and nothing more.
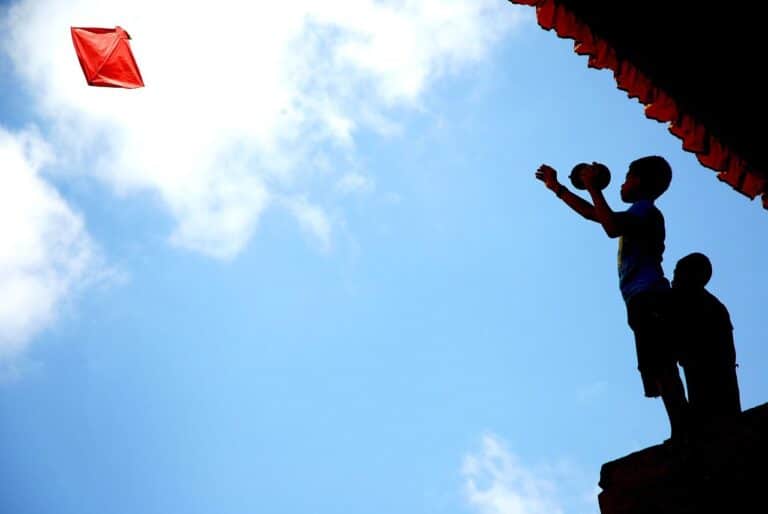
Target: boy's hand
(548, 175)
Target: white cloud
(351, 183)
(312, 219)
(241, 96)
(45, 251)
(496, 482)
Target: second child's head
(692, 272)
(647, 178)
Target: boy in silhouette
(704, 333)
(644, 288)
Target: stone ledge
(724, 470)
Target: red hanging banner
(106, 58)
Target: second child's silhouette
(644, 288)
(704, 334)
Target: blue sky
(372, 307)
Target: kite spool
(603, 175)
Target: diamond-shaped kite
(106, 58)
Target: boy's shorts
(647, 314)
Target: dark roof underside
(707, 56)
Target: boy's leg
(647, 316)
(673, 396)
(696, 389)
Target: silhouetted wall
(724, 471)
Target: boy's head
(692, 272)
(647, 178)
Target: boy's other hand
(548, 175)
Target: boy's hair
(654, 174)
(695, 268)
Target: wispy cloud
(496, 482)
(312, 219)
(591, 392)
(45, 250)
(351, 183)
(242, 97)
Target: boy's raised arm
(603, 213)
(548, 175)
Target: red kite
(106, 57)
